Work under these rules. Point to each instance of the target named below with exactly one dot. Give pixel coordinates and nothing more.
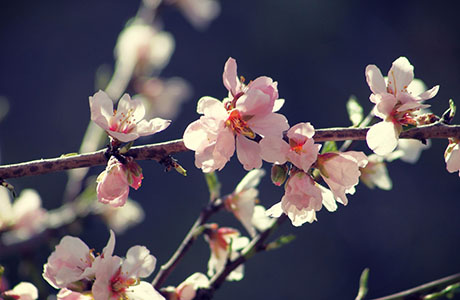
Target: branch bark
(419, 291)
(161, 150)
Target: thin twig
(161, 150)
(185, 245)
(419, 291)
(256, 245)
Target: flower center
(238, 125)
(296, 146)
(123, 122)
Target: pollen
(238, 125)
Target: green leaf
(362, 292)
(453, 109)
(68, 154)
(355, 110)
(213, 185)
(329, 146)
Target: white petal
(382, 137)
(375, 79)
(139, 262)
(251, 180)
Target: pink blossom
(249, 110)
(375, 173)
(452, 156)
(69, 263)
(340, 170)
(187, 289)
(301, 149)
(124, 124)
(243, 200)
(117, 278)
(394, 103)
(220, 240)
(114, 182)
(22, 291)
(301, 200)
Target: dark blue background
(317, 51)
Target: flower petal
(400, 76)
(375, 80)
(382, 137)
(230, 77)
(248, 153)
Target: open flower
(375, 173)
(249, 110)
(301, 149)
(69, 263)
(243, 200)
(118, 278)
(187, 289)
(341, 171)
(224, 243)
(452, 156)
(394, 103)
(301, 200)
(22, 291)
(124, 124)
(114, 182)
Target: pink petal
(230, 77)
(273, 124)
(248, 153)
(300, 132)
(151, 127)
(453, 158)
(428, 94)
(384, 104)
(382, 137)
(101, 107)
(134, 107)
(375, 80)
(273, 149)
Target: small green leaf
(213, 185)
(355, 110)
(453, 109)
(281, 241)
(126, 147)
(69, 154)
(329, 146)
(362, 292)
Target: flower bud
(279, 174)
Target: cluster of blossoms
(247, 120)
(123, 125)
(80, 274)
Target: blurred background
(317, 51)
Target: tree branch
(185, 245)
(161, 150)
(419, 291)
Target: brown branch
(185, 245)
(419, 291)
(256, 246)
(160, 151)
